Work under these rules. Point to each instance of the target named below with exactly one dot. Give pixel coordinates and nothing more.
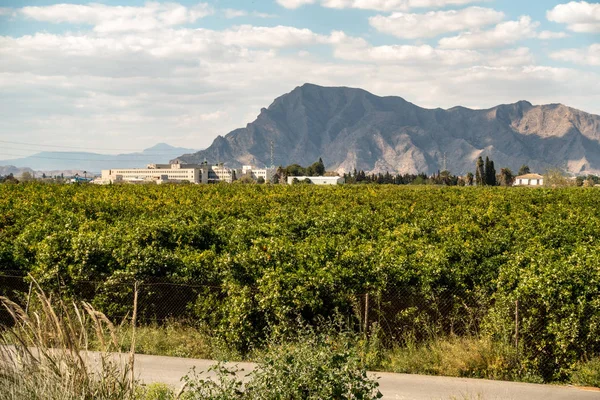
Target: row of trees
(10, 178)
(316, 169)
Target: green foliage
(437, 260)
(316, 169)
(155, 391)
(506, 177)
(468, 357)
(313, 366)
(226, 386)
(524, 170)
(587, 373)
(480, 177)
(556, 177)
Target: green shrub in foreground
(587, 374)
(314, 367)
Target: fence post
(367, 313)
(517, 326)
(133, 325)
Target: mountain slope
(352, 128)
(94, 162)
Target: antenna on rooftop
(272, 163)
(444, 162)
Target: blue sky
(115, 74)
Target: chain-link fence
(398, 313)
(158, 299)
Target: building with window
(176, 172)
(255, 173)
(529, 180)
(317, 180)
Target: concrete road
(169, 370)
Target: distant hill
(11, 169)
(17, 172)
(95, 162)
(352, 128)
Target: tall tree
(319, 167)
(469, 179)
(479, 172)
(486, 171)
(491, 174)
(506, 177)
(524, 169)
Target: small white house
(529, 180)
(318, 180)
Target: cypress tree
(487, 170)
(479, 172)
(492, 174)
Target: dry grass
(44, 355)
(456, 356)
(174, 338)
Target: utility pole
(272, 162)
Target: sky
(115, 76)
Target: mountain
(11, 169)
(18, 172)
(95, 162)
(352, 128)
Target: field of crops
(443, 261)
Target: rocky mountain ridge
(352, 128)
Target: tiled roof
(530, 176)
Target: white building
(529, 180)
(176, 172)
(318, 180)
(266, 173)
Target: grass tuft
(44, 354)
(587, 374)
(455, 356)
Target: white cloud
(6, 11)
(294, 3)
(579, 16)
(544, 35)
(278, 36)
(148, 53)
(434, 23)
(231, 13)
(585, 56)
(115, 88)
(379, 5)
(119, 18)
(503, 34)
(357, 49)
(511, 57)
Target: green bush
(315, 366)
(156, 391)
(587, 373)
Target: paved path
(169, 370)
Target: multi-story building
(266, 173)
(176, 172)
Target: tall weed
(44, 354)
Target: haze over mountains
(54, 161)
(352, 128)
